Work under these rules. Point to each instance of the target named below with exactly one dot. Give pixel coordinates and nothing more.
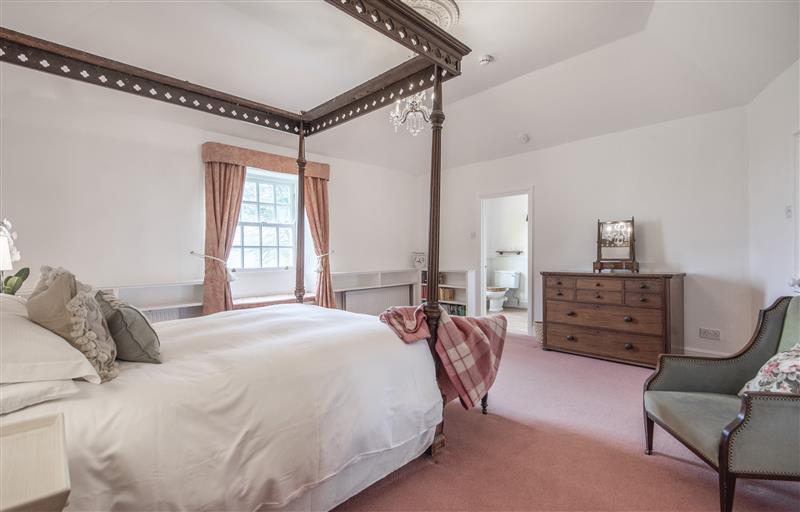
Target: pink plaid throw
(469, 348)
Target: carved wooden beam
(406, 26)
(55, 59)
(401, 72)
(382, 96)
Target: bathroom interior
(505, 235)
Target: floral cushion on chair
(781, 374)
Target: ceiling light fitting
(411, 112)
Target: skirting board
(700, 352)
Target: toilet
(504, 280)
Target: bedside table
(34, 475)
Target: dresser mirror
(616, 246)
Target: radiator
(162, 315)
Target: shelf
(455, 286)
(372, 287)
(456, 303)
(158, 307)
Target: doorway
(506, 261)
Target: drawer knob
(559, 294)
(570, 313)
(559, 283)
(643, 299)
(570, 338)
(597, 284)
(643, 286)
(598, 296)
(627, 319)
(628, 346)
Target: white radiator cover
(162, 315)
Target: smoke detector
(485, 59)
(523, 138)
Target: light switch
(788, 211)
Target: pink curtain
(224, 187)
(316, 193)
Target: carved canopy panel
(392, 18)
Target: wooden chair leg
(485, 403)
(648, 434)
(727, 488)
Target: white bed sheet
(290, 406)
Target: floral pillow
(781, 374)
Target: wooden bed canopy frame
(438, 59)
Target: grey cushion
(696, 418)
(136, 339)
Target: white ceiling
(563, 70)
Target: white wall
(772, 124)
(111, 187)
(685, 181)
(506, 229)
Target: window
(267, 228)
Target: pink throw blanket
(469, 348)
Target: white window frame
(261, 176)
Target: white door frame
(482, 248)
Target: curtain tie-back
(318, 268)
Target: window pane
(250, 191)
(269, 257)
(235, 258)
(282, 194)
(252, 258)
(267, 213)
(286, 257)
(249, 212)
(251, 236)
(237, 238)
(267, 193)
(269, 235)
(285, 237)
(284, 215)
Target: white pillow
(12, 304)
(31, 353)
(16, 396)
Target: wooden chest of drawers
(630, 318)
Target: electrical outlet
(787, 211)
(710, 334)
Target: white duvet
(250, 409)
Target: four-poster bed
(438, 59)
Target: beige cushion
(67, 307)
(135, 338)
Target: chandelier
(411, 112)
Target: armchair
(695, 400)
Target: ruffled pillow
(781, 374)
(68, 308)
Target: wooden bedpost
(432, 303)
(299, 286)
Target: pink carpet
(563, 433)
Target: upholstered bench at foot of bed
(695, 418)
(270, 300)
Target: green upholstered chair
(695, 399)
